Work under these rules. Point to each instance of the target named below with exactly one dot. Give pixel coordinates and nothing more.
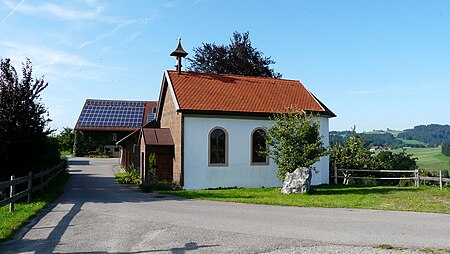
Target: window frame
(252, 148)
(226, 148)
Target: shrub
(406, 183)
(370, 182)
(159, 185)
(131, 177)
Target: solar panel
(112, 113)
(150, 117)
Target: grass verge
(423, 199)
(389, 247)
(10, 223)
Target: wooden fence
(346, 175)
(43, 178)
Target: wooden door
(164, 166)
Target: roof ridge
(117, 100)
(234, 75)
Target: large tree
(24, 142)
(66, 139)
(351, 155)
(295, 142)
(239, 57)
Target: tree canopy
(351, 155)
(239, 57)
(25, 144)
(295, 142)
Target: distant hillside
(377, 138)
(432, 134)
(420, 136)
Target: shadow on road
(91, 184)
(190, 246)
(78, 162)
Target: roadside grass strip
(423, 199)
(10, 223)
(389, 247)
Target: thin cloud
(58, 65)
(56, 11)
(399, 88)
(366, 92)
(126, 41)
(107, 34)
(12, 12)
(132, 37)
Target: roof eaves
(326, 111)
(127, 137)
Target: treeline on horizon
(420, 136)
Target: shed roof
(157, 136)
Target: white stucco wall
(239, 171)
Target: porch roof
(157, 136)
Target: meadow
(430, 159)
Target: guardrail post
(12, 191)
(440, 179)
(30, 186)
(335, 175)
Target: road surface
(97, 215)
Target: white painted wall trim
(170, 88)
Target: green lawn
(430, 159)
(11, 222)
(423, 199)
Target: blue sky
(376, 64)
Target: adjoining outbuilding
(103, 122)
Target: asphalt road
(97, 215)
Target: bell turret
(179, 53)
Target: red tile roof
(242, 94)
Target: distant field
(393, 132)
(411, 142)
(429, 158)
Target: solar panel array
(98, 113)
(150, 117)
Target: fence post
(416, 176)
(335, 175)
(41, 182)
(30, 186)
(12, 191)
(440, 179)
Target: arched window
(259, 145)
(218, 147)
